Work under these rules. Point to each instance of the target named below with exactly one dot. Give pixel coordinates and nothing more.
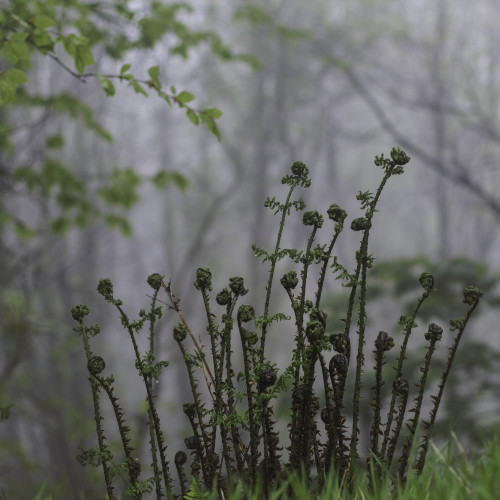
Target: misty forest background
(328, 83)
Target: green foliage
(68, 34)
(256, 15)
(449, 473)
(122, 190)
(5, 412)
(25, 27)
(40, 496)
(196, 491)
(163, 178)
(240, 413)
(65, 104)
(395, 280)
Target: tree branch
(458, 176)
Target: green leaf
(210, 124)
(192, 116)
(55, 141)
(118, 222)
(78, 48)
(249, 59)
(107, 85)
(43, 41)
(185, 97)
(8, 83)
(5, 143)
(28, 175)
(16, 49)
(70, 198)
(213, 112)
(253, 14)
(15, 76)
(42, 21)
(163, 178)
(5, 217)
(19, 36)
(196, 492)
(82, 218)
(7, 92)
(137, 87)
(69, 45)
(167, 99)
(124, 68)
(60, 225)
(222, 49)
(154, 73)
(23, 231)
(81, 41)
(83, 58)
(123, 189)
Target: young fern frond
(408, 322)
(383, 343)
(394, 166)
(433, 335)
(195, 409)
(471, 297)
(239, 415)
(95, 365)
(299, 177)
(245, 314)
(134, 467)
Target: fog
(337, 84)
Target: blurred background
(331, 84)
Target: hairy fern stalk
(234, 433)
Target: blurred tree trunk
(439, 125)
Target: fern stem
(274, 258)
(460, 324)
(433, 336)
(410, 324)
(150, 399)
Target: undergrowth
(449, 472)
(235, 445)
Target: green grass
(449, 473)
